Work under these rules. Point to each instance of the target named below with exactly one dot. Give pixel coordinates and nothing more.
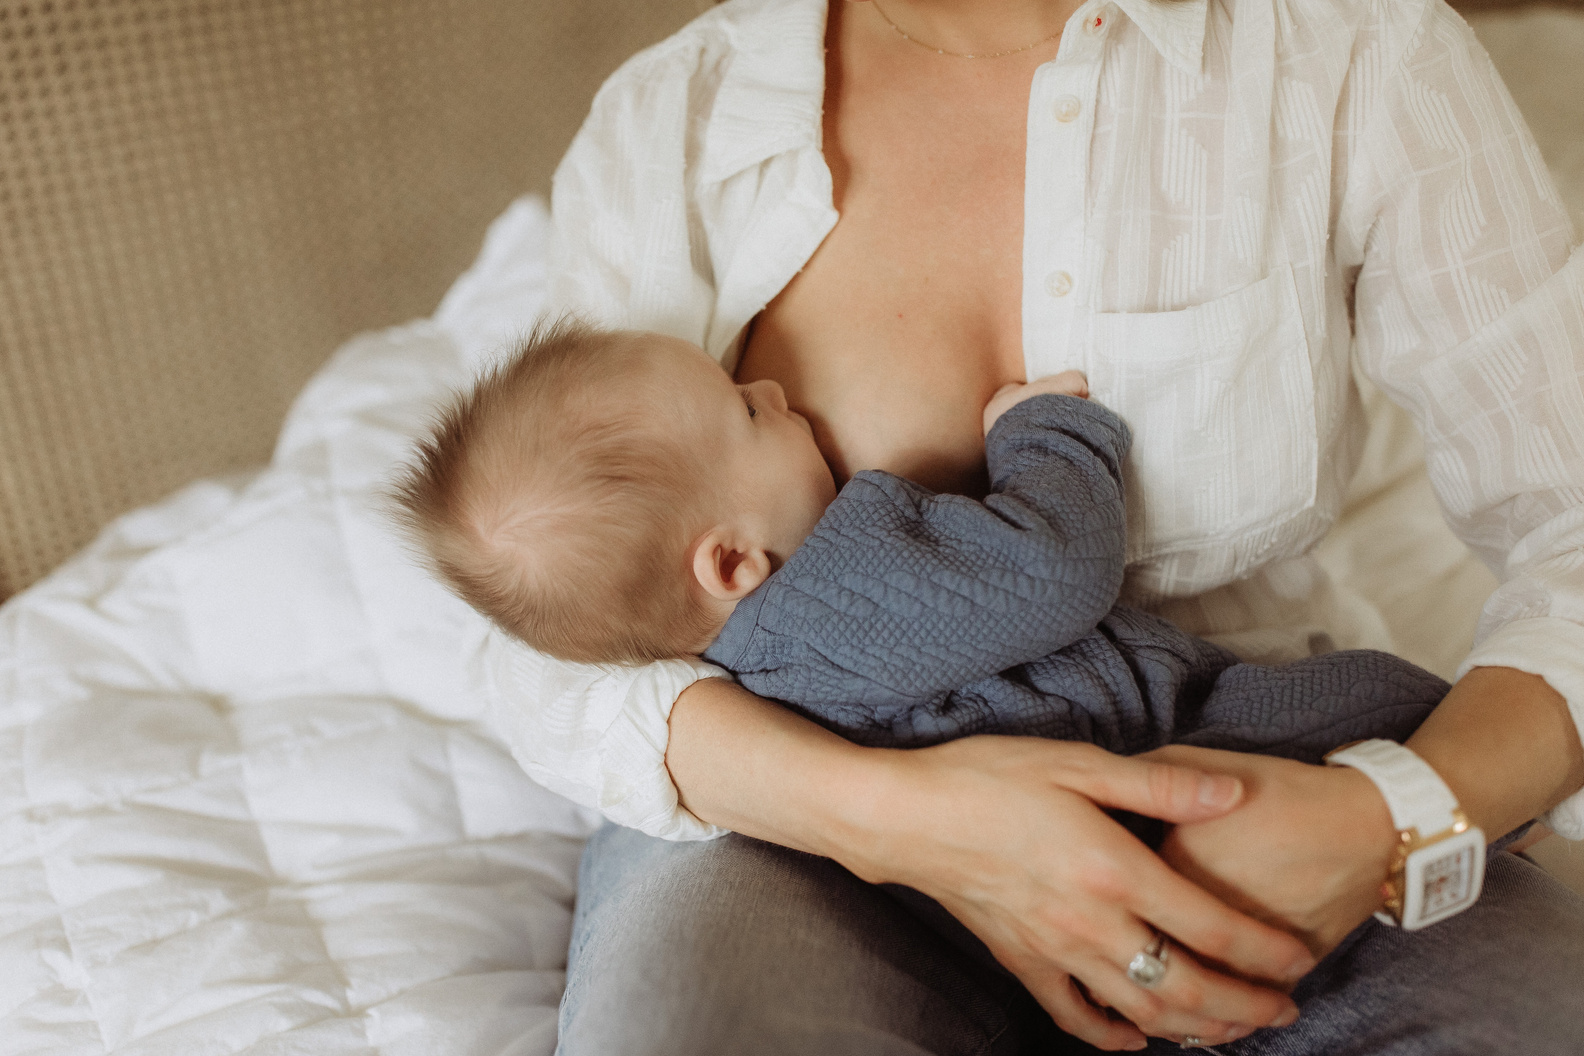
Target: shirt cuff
(1552, 648)
(595, 734)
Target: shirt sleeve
(621, 257)
(626, 250)
(1469, 311)
(595, 734)
(901, 596)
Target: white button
(1096, 23)
(1067, 108)
(1058, 284)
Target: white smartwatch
(1440, 861)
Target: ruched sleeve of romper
(901, 596)
(1469, 311)
(598, 735)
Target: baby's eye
(753, 412)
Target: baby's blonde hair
(555, 499)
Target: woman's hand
(1306, 850)
(1310, 846)
(1005, 833)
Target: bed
(249, 801)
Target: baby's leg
(1304, 709)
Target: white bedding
(248, 802)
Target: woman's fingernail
(1288, 1017)
(1219, 790)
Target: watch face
(1447, 881)
(1443, 879)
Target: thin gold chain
(958, 54)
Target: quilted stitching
(910, 618)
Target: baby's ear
(726, 567)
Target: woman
(893, 208)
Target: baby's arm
(902, 595)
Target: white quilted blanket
(247, 803)
(247, 799)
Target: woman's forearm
(1504, 742)
(754, 767)
(1006, 833)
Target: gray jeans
(740, 947)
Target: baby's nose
(771, 392)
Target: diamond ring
(1149, 964)
(1191, 1041)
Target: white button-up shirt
(1228, 206)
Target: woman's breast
(881, 390)
(899, 329)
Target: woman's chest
(908, 316)
(1132, 225)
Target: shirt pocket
(1221, 401)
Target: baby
(614, 496)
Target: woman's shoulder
(742, 82)
(1362, 25)
(700, 54)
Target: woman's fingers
(1190, 999)
(1156, 789)
(1152, 1013)
(1203, 923)
(1157, 1012)
(1059, 891)
(1172, 903)
(1074, 1013)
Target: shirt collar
(772, 95)
(1175, 27)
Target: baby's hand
(1067, 383)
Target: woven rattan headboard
(199, 199)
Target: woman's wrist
(1504, 742)
(868, 828)
(1372, 841)
(755, 767)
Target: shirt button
(1058, 284)
(1096, 23)
(1067, 108)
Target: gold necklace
(958, 54)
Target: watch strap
(1440, 864)
(1415, 794)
